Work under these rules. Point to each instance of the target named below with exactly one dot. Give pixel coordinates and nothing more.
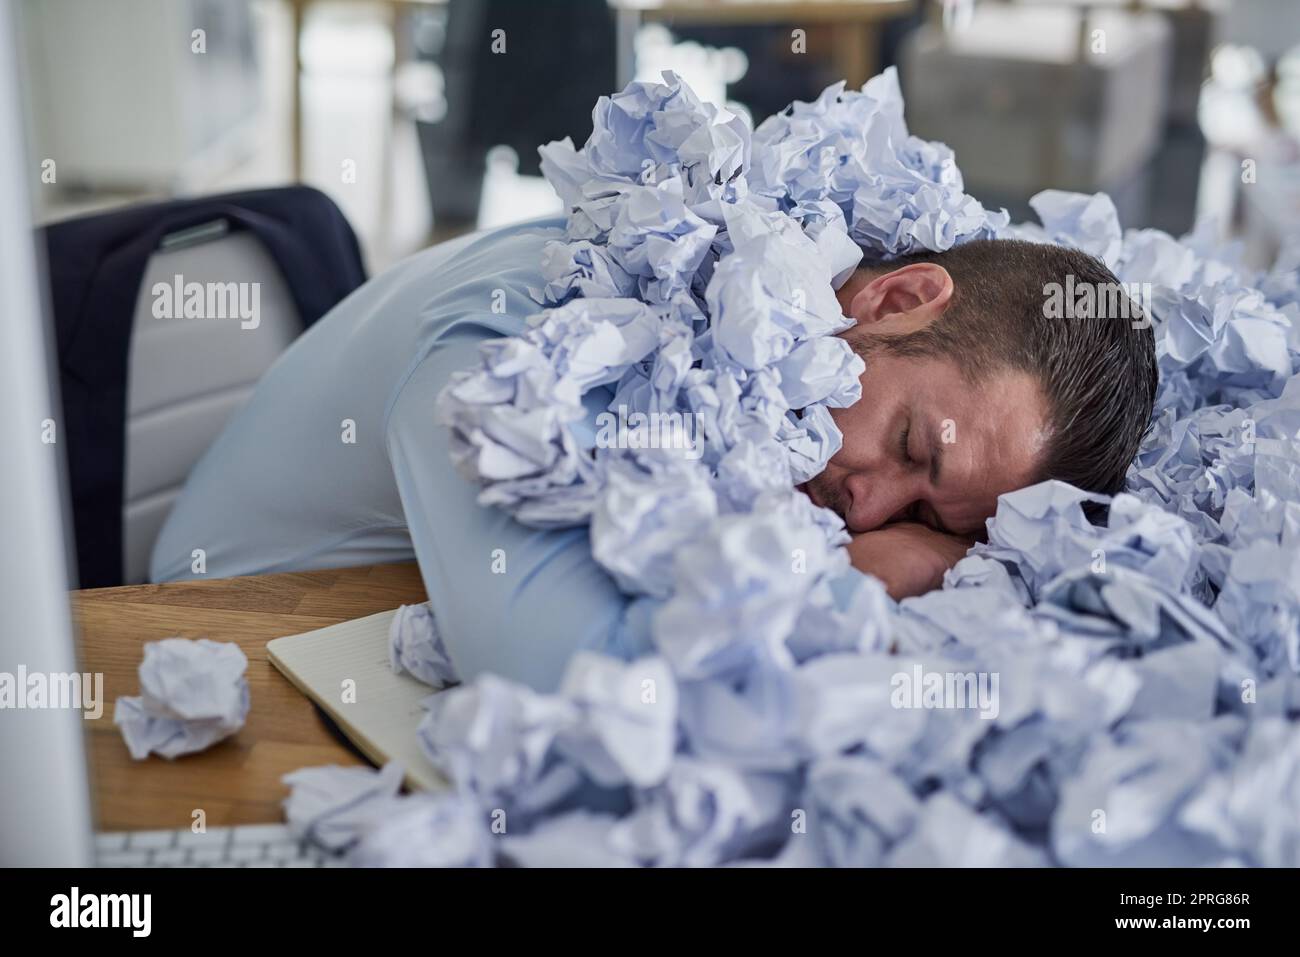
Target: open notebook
(383, 718)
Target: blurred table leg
(853, 52)
(626, 24)
(296, 10)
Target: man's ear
(911, 296)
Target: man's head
(975, 387)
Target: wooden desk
(238, 780)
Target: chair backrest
(186, 377)
(287, 250)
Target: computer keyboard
(252, 845)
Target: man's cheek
(846, 420)
(855, 429)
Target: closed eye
(902, 444)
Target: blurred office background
(421, 120)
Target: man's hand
(908, 557)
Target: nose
(877, 497)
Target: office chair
(144, 396)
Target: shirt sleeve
(509, 599)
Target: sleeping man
(970, 391)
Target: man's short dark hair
(1096, 362)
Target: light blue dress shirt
(281, 489)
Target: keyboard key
(212, 837)
(246, 852)
(124, 859)
(143, 840)
(207, 855)
(170, 857)
(285, 852)
(112, 841)
(261, 833)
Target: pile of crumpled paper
(1136, 681)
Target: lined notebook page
(382, 719)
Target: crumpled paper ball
(193, 694)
